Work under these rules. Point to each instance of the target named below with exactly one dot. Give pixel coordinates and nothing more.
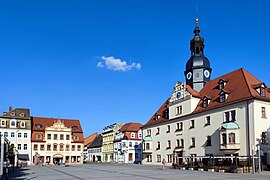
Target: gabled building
(127, 143)
(108, 135)
(95, 149)
(87, 142)
(220, 117)
(56, 141)
(16, 127)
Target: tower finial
(197, 21)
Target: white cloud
(100, 64)
(117, 64)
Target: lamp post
(259, 155)
(253, 162)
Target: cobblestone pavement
(123, 172)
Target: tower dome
(198, 69)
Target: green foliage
(210, 163)
(10, 150)
(200, 165)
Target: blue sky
(66, 58)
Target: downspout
(248, 128)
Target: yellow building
(107, 144)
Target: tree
(11, 153)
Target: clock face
(206, 73)
(189, 75)
(178, 95)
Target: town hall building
(225, 116)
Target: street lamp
(259, 154)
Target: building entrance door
(57, 159)
(130, 157)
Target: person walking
(163, 164)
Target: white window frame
(5, 124)
(24, 146)
(132, 135)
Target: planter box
(191, 169)
(182, 168)
(221, 170)
(211, 170)
(200, 169)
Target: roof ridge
(55, 118)
(243, 72)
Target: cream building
(108, 136)
(56, 141)
(220, 117)
(16, 127)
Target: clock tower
(198, 69)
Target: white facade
(176, 136)
(21, 138)
(16, 127)
(127, 150)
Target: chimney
(9, 108)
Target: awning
(24, 157)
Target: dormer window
(22, 114)
(221, 84)
(222, 96)
(74, 128)
(157, 117)
(38, 126)
(205, 102)
(262, 91)
(260, 88)
(12, 113)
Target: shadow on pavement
(17, 173)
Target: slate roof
(97, 142)
(18, 113)
(240, 86)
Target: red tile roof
(131, 127)
(90, 139)
(240, 86)
(46, 122)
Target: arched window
(13, 123)
(22, 124)
(232, 138)
(76, 138)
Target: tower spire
(198, 68)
